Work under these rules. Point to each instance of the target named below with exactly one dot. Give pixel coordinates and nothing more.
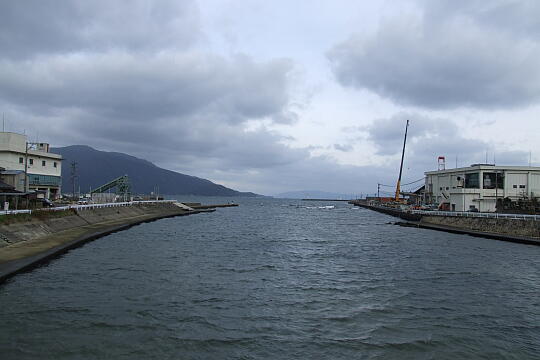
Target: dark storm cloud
(120, 86)
(127, 76)
(458, 54)
(188, 102)
(32, 27)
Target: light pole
(73, 177)
(28, 146)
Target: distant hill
(96, 168)
(313, 194)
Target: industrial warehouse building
(44, 169)
(479, 186)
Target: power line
(421, 179)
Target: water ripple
(273, 279)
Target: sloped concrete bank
(507, 229)
(27, 242)
(514, 230)
(389, 211)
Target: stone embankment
(516, 230)
(29, 239)
(521, 229)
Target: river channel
(278, 279)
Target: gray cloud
(515, 17)
(343, 147)
(428, 138)
(453, 55)
(130, 76)
(187, 102)
(121, 86)
(124, 76)
(32, 27)
(320, 172)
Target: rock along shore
(29, 241)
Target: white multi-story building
(479, 186)
(44, 169)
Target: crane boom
(398, 189)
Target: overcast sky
(275, 96)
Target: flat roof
(479, 167)
(37, 153)
(45, 154)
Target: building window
(54, 164)
(44, 180)
(472, 181)
(31, 161)
(514, 186)
(43, 163)
(21, 160)
(493, 180)
(522, 186)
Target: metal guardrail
(87, 206)
(476, 215)
(9, 212)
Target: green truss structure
(122, 185)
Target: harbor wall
(511, 227)
(26, 241)
(526, 231)
(25, 228)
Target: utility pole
(73, 176)
(28, 146)
(496, 189)
(378, 192)
(26, 170)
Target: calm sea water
(278, 279)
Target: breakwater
(29, 239)
(389, 211)
(508, 229)
(520, 229)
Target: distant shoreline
(326, 200)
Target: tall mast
(401, 166)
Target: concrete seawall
(29, 241)
(506, 229)
(389, 211)
(516, 230)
